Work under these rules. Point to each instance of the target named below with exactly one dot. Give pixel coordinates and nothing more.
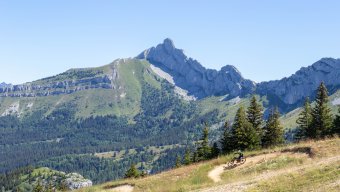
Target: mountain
(67, 121)
(3, 84)
(190, 75)
(291, 91)
(145, 110)
(287, 93)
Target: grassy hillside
(139, 119)
(123, 100)
(307, 166)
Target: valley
(144, 110)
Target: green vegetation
(255, 116)
(273, 131)
(132, 172)
(305, 121)
(227, 139)
(336, 128)
(321, 113)
(290, 171)
(62, 136)
(317, 122)
(322, 178)
(30, 179)
(137, 121)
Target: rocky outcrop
(292, 90)
(37, 89)
(3, 84)
(190, 75)
(200, 82)
(77, 181)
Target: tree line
(250, 131)
(317, 122)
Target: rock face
(190, 75)
(77, 181)
(303, 83)
(3, 84)
(37, 89)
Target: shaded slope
(190, 75)
(290, 92)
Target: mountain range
(143, 109)
(191, 77)
(200, 82)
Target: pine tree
(132, 172)
(273, 131)
(244, 134)
(178, 161)
(49, 187)
(215, 151)
(321, 113)
(187, 157)
(63, 185)
(255, 116)
(336, 124)
(304, 121)
(204, 150)
(227, 140)
(38, 188)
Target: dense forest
(62, 142)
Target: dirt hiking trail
(215, 174)
(122, 188)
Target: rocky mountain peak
(190, 75)
(3, 84)
(293, 90)
(168, 44)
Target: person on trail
(240, 155)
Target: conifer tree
(244, 134)
(255, 116)
(178, 161)
(63, 186)
(321, 113)
(187, 157)
(227, 140)
(195, 157)
(49, 187)
(132, 172)
(204, 150)
(336, 124)
(38, 187)
(304, 121)
(273, 131)
(215, 151)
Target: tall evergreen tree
(321, 113)
(215, 151)
(244, 134)
(336, 124)
(187, 157)
(255, 116)
(305, 121)
(132, 172)
(273, 131)
(38, 187)
(227, 141)
(204, 150)
(178, 161)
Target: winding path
(122, 188)
(243, 185)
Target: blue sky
(265, 40)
